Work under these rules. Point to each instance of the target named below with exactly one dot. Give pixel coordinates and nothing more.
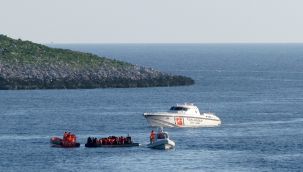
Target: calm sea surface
(256, 90)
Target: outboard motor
(89, 140)
(128, 140)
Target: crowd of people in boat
(69, 137)
(111, 140)
(69, 140)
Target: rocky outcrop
(26, 65)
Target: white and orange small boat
(162, 141)
(183, 115)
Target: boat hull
(111, 146)
(181, 121)
(162, 144)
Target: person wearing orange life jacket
(152, 136)
(69, 137)
(73, 138)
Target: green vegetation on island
(27, 65)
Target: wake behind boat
(183, 115)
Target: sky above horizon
(153, 21)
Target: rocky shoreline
(26, 65)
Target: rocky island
(27, 65)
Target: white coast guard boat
(162, 141)
(183, 115)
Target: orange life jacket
(152, 135)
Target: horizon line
(51, 43)
(149, 43)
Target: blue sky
(153, 21)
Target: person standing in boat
(152, 136)
(64, 135)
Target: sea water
(256, 90)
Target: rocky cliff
(27, 65)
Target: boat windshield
(162, 135)
(176, 108)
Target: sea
(256, 90)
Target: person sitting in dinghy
(161, 135)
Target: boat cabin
(185, 108)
